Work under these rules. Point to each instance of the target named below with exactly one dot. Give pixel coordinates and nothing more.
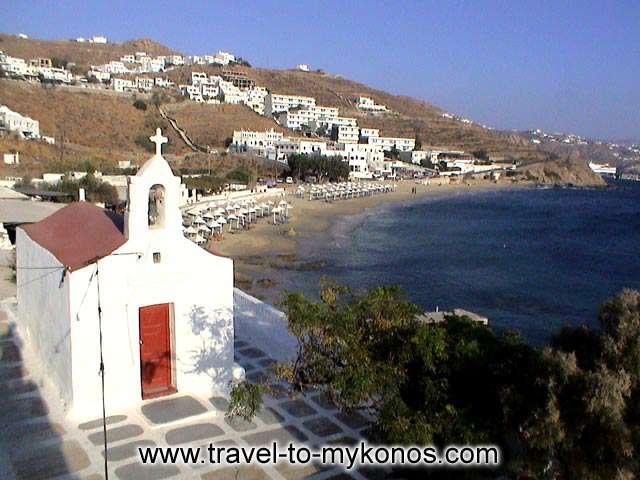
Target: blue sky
(570, 66)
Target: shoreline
(270, 259)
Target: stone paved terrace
(37, 442)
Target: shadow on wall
(25, 421)
(263, 326)
(214, 356)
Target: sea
(530, 260)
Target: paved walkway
(39, 443)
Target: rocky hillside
(569, 171)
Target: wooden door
(155, 351)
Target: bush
(246, 400)
(140, 105)
(143, 142)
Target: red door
(155, 351)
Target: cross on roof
(158, 139)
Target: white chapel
(132, 289)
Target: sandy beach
(267, 255)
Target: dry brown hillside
(213, 124)
(95, 125)
(83, 54)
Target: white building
(389, 143)
(113, 67)
(313, 117)
(123, 85)
(199, 77)
(149, 64)
(255, 99)
(247, 139)
(155, 305)
(144, 83)
(174, 60)
(11, 158)
(303, 67)
(24, 126)
(296, 119)
(345, 133)
(194, 92)
(98, 39)
(366, 103)
(275, 103)
(15, 67)
(417, 156)
(366, 133)
(223, 58)
(55, 74)
(164, 83)
(102, 76)
(232, 94)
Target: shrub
(140, 105)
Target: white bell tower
(153, 207)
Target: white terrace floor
(36, 442)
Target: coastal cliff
(571, 171)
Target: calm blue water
(529, 260)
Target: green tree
(321, 166)
(569, 410)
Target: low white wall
(263, 326)
(235, 196)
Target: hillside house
(123, 85)
(389, 143)
(275, 103)
(40, 62)
(24, 126)
(345, 133)
(366, 103)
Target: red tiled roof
(79, 234)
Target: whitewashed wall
(263, 326)
(199, 287)
(43, 311)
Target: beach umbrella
(230, 219)
(221, 220)
(275, 211)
